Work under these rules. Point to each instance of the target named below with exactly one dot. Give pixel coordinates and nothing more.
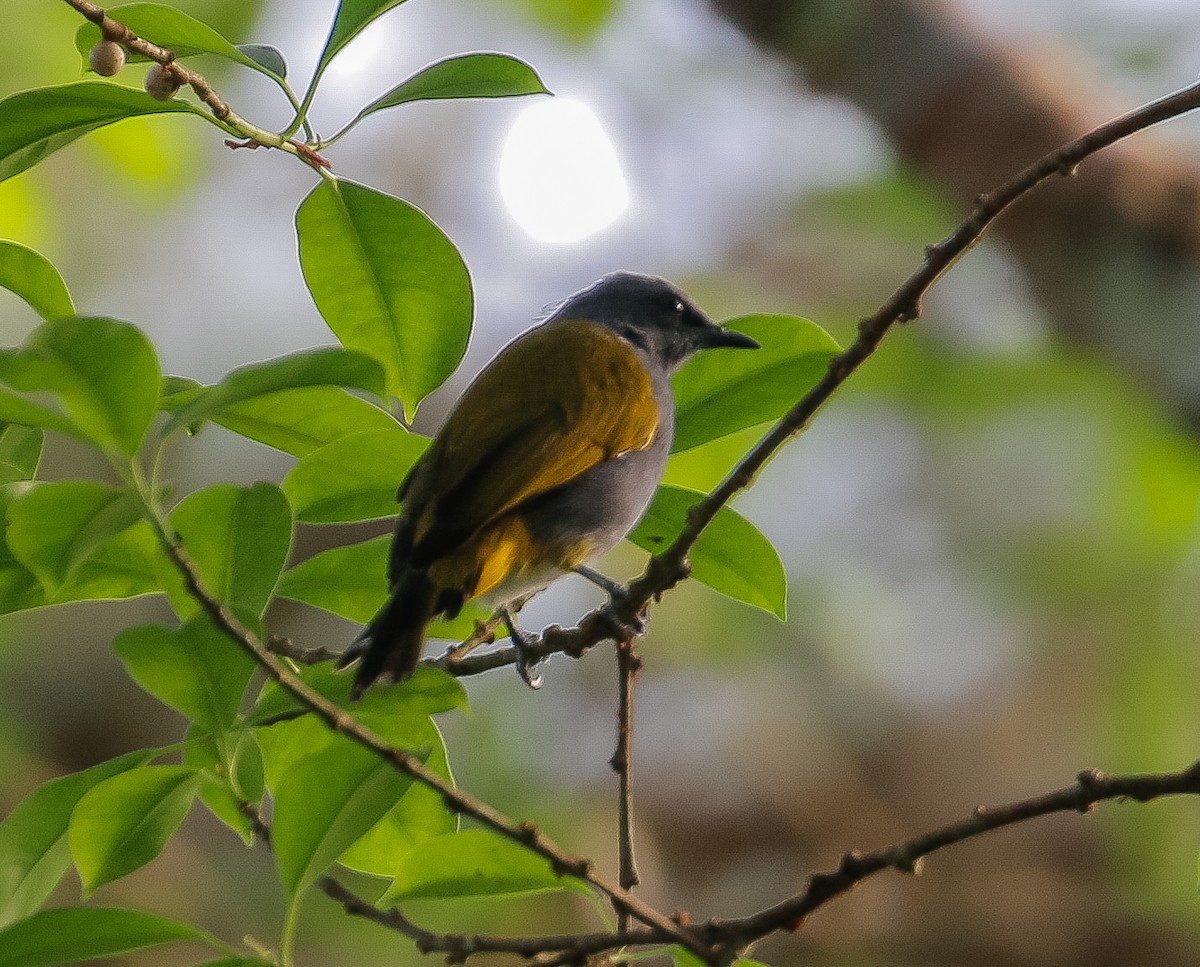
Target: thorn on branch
(822, 886)
(576, 868)
(310, 155)
(1091, 783)
(853, 864)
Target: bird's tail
(391, 645)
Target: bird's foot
(627, 623)
(525, 644)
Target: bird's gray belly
(601, 505)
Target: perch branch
(667, 569)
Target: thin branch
(286, 648)
(459, 947)
(119, 33)
(1091, 787)
(232, 122)
(905, 306)
(340, 721)
(628, 666)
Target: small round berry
(106, 58)
(161, 83)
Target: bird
(548, 459)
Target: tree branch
(337, 719)
(119, 33)
(458, 947)
(628, 666)
(1090, 788)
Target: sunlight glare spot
(559, 173)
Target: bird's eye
(679, 306)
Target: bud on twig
(161, 83)
(106, 58)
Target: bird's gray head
(652, 315)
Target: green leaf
(348, 581)
(16, 409)
(239, 539)
(77, 934)
(19, 589)
(34, 853)
(473, 862)
(351, 18)
(178, 391)
(354, 478)
(466, 75)
(20, 452)
(35, 124)
(125, 566)
(124, 822)
(299, 421)
(197, 669)
(325, 804)
(720, 393)
(351, 582)
(105, 371)
(54, 528)
(216, 789)
(268, 57)
(731, 556)
(388, 282)
(313, 367)
(427, 692)
(401, 714)
(33, 278)
(420, 814)
(182, 35)
(275, 703)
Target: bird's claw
(525, 644)
(623, 630)
(626, 623)
(528, 670)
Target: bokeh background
(990, 534)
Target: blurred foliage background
(991, 534)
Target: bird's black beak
(719, 338)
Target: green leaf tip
(31, 276)
(478, 74)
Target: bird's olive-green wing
(555, 402)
